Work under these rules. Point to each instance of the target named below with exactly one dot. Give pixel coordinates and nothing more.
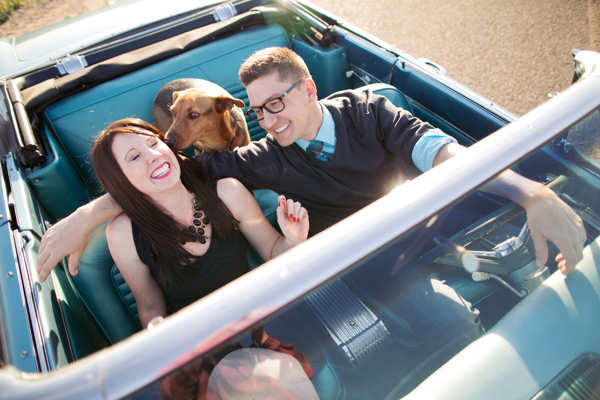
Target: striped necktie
(315, 149)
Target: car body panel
(18, 345)
(37, 48)
(543, 334)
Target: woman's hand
(293, 220)
(266, 240)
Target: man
(364, 148)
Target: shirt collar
(326, 132)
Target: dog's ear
(226, 103)
(175, 96)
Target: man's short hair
(289, 65)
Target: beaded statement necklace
(198, 223)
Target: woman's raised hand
(292, 219)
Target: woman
(179, 237)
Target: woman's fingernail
(292, 216)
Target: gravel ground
(514, 52)
(36, 14)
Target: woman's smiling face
(146, 161)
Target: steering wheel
(509, 262)
(504, 257)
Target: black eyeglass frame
(264, 106)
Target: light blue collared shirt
(428, 146)
(422, 155)
(326, 134)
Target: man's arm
(256, 165)
(548, 216)
(72, 234)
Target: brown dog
(199, 113)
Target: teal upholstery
(394, 95)
(71, 126)
(77, 120)
(104, 291)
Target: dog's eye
(194, 115)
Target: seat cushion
(394, 95)
(104, 292)
(77, 120)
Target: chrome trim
(22, 239)
(586, 63)
(71, 64)
(354, 328)
(224, 11)
(536, 274)
(524, 234)
(507, 247)
(440, 70)
(133, 363)
(30, 302)
(483, 253)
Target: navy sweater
(373, 155)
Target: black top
(223, 262)
(373, 154)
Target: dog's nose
(171, 143)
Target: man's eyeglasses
(273, 106)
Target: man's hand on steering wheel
(549, 218)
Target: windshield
(584, 138)
(369, 331)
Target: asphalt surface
(514, 52)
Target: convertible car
(79, 337)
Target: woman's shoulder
(121, 244)
(119, 227)
(235, 196)
(230, 187)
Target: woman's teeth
(161, 171)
